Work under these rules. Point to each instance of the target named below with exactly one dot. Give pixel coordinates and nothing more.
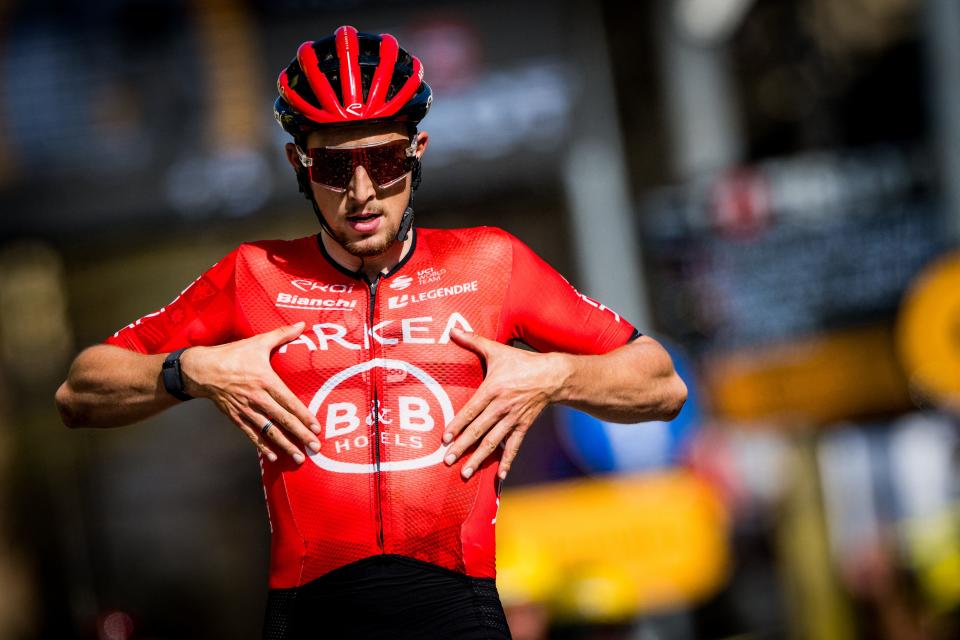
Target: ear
(292, 157)
(423, 139)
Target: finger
(283, 335)
(287, 421)
(468, 413)
(274, 436)
(511, 448)
(262, 446)
(487, 446)
(254, 436)
(281, 393)
(472, 433)
(476, 343)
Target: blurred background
(769, 187)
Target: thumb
(282, 335)
(471, 341)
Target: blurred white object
(922, 447)
(847, 480)
(703, 115)
(710, 21)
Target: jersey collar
(360, 275)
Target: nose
(361, 187)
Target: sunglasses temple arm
(305, 160)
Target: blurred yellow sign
(933, 546)
(830, 377)
(609, 548)
(928, 331)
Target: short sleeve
(203, 314)
(546, 312)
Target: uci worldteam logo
(410, 421)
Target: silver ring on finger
(265, 428)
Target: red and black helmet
(349, 78)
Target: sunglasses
(386, 163)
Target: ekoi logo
(409, 425)
(312, 285)
(354, 109)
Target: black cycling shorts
(390, 597)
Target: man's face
(364, 217)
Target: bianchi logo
(295, 301)
(409, 430)
(401, 282)
(289, 301)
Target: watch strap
(172, 376)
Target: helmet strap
(406, 222)
(303, 183)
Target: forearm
(110, 387)
(633, 383)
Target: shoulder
(272, 251)
(474, 241)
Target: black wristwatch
(172, 377)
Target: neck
(368, 265)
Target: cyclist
(370, 366)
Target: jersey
(376, 366)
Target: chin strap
(303, 183)
(405, 223)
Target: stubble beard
(370, 246)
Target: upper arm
(545, 311)
(203, 314)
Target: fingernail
(315, 446)
(447, 437)
(450, 459)
(298, 458)
(467, 472)
(315, 428)
(272, 457)
(503, 475)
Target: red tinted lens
(331, 167)
(385, 163)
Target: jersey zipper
(375, 410)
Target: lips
(365, 222)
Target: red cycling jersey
(377, 367)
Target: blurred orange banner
(825, 378)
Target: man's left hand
(518, 386)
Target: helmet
(351, 78)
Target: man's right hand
(238, 378)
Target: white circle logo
(407, 426)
